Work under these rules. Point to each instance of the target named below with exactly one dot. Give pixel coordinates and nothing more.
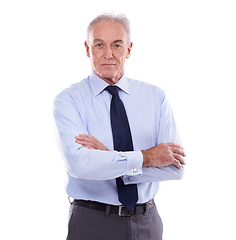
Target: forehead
(108, 31)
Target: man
(119, 141)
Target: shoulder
(73, 92)
(74, 88)
(145, 88)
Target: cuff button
(131, 178)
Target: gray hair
(119, 18)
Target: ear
(129, 49)
(87, 48)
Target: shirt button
(131, 178)
(134, 170)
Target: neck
(110, 81)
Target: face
(108, 47)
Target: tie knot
(113, 90)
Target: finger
(88, 147)
(174, 145)
(90, 141)
(178, 150)
(92, 144)
(86, 143)
(179, 158)
(80, 136)
(177, 164)
(84, 137)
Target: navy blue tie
(128, 194)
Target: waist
(119, 210)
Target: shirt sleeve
(167, 132)
(134, 168)
(86, 163)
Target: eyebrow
(98, 40)
(118, 41)
(101, 40)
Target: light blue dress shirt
(84, 108)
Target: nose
(108, 54)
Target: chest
(142, 113)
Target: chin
(108, 75)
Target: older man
(119, 140)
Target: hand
(90, 142)
(163, 155)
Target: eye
(117, 46)
(99, 45)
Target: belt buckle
(121, 213)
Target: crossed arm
(162, 155)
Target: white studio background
(185, 47)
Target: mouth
(108, 64)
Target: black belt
(120, 210)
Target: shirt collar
(98, 84)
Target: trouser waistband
(119, 210)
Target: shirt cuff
(133, 172)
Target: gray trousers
(89, 224)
